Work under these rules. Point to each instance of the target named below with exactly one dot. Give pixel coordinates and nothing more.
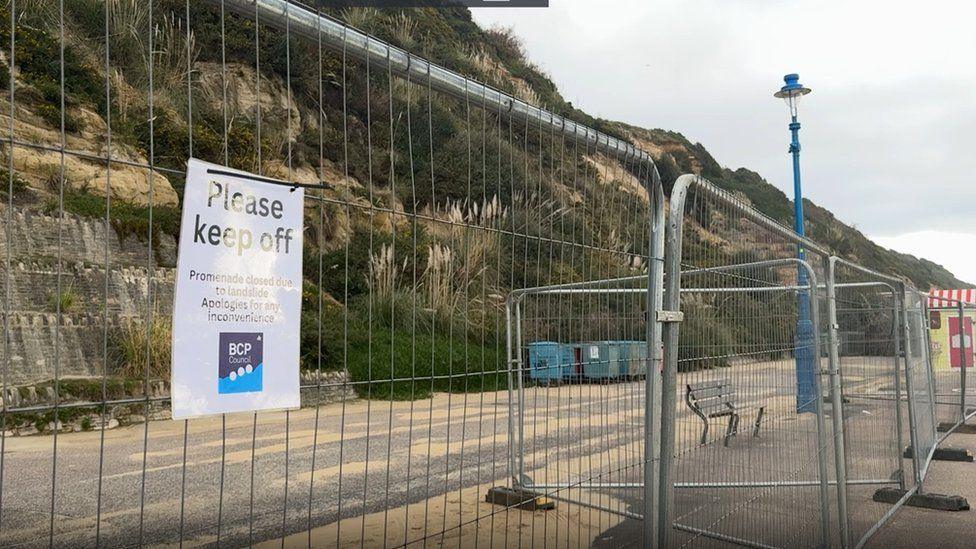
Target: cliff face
(310, 121)
(87, 301)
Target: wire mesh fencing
(859, 377)
(950, 328)
(919, 383)
(580, 355)
(866, 345)
(746, 460)
(483, 305)
(749, 446)
(429, 198)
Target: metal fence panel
(866, 335)
(739, 347)
(919, 382)
(483, 304)
(581, 365)
(951, 348)
(430, 197)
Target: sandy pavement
(416, 473)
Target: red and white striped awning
(950, 298)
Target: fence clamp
(670, 316)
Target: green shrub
(18, 183)
(51, 114)
(704, 343)
(37, 55)
(324, 351)
(125, 217)
(460, 365)
(90, 390)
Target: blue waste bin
(635, 358)
(577, 352)
(602, 361)
(550, 361)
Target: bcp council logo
(240, 363)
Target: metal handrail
(308, 22)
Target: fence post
(964, 360)
(510, 359)
(837, 404)
(669, 375)
(520, 396)
(910, 390)
(896, 338)
(923, 324)
(653, 507)
(962, 382)
(811, 277)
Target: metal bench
(712, 399)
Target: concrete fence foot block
(944, 454)
(960, 429)
(952, 454)
(964, 429)
(518, 497)
(938, 502)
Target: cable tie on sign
(293, 184)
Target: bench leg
(759, 416)
(733, 425)
(704, 437)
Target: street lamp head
(793, 88)
(792, 91)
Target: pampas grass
(134, 341)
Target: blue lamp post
(791, 92)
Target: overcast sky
(888, 132)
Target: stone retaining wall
(90, 309)
(80, 414)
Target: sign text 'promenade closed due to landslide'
(238, 303)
